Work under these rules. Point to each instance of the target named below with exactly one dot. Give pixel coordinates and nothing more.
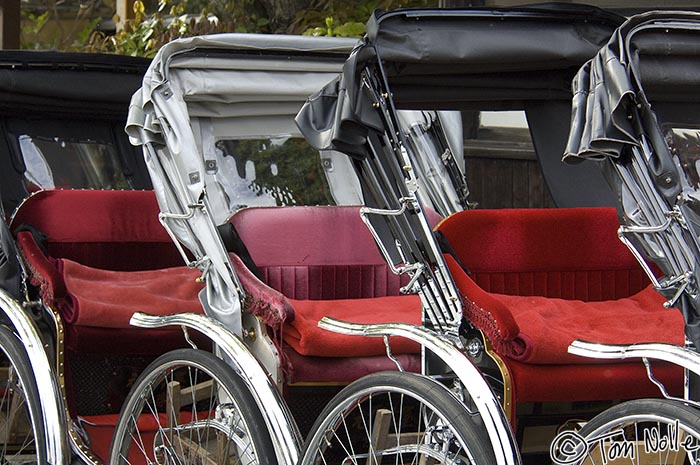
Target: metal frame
(50, 399)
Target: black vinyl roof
(68, 83)
(444, 58)
(470, 59)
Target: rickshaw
(448, 412)
(633, 112)
(44, 145)
(414, 395)
(73, 221)
(199, 119)
(522, 278)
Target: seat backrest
(570, 253)
(316, 252)
(112, 230)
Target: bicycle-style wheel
(394, 417)
(22, 435)
(189, 407)
(643, 431)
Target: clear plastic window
(684, 144)
(272, 171)
(59, 163)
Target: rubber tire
(14, 350)
(218, 370)
(453, 412)
(664, 410)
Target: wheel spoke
(407, 416)
(185, 388)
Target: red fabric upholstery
(107, 230)
(555, 383)
(42, 272)
(564, 253)
(308, 369)
(538, 330)
(542, 278)
(261, 300)
(548, 326)
(304, 335)
(316, 252)
(323, 262)
(104, 298)
(113, 230)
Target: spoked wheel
(22, 436)
(396, 418)
(644, 431)
(189, 407)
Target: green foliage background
(46, 26)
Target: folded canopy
(654, 61)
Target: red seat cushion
(104, 298)
(538, 330)
(112, 230)
(304, 335)
(324, 253)
(548, 326)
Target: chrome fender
(497, 426)
(52, 411)
(285, 435)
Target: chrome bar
(680, 356)
(500, 435)
(52, 410)
(164, 219)
(646, 229)
(283, 430)
(637, 255)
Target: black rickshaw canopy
(469, 59)
(652, 61)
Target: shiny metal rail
(680, 356)
(52, 410)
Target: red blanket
(304, 335)
(104, 298)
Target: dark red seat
(322, 261)
(542, 278)
(105, 256)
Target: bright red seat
(542, 278)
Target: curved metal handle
(680, 356)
